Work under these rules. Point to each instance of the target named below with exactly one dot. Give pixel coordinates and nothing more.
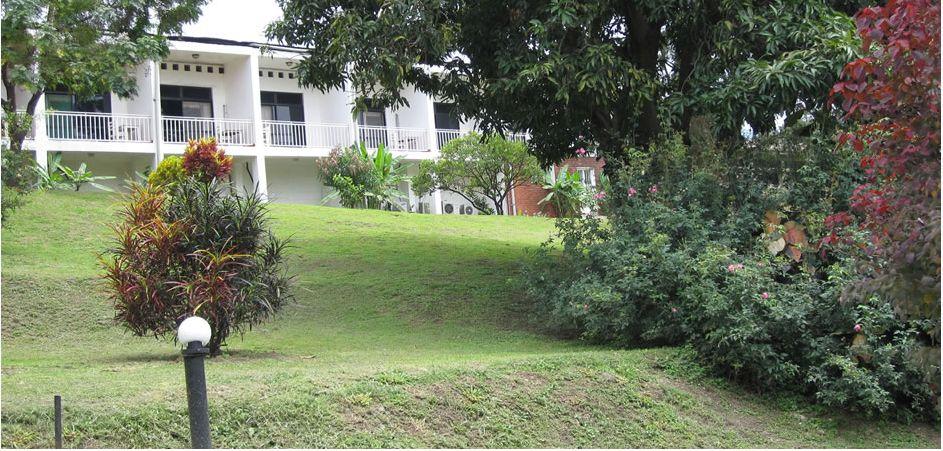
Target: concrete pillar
(258, 165)
(261, 178)
(430, 125)
(157, 125)
(437, 202)
(40, 135)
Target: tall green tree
(87, 46)
(576, 73)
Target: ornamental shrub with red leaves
(204, 160)
(892, 96)
(194, 248)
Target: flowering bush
(204, 160)
(679, 263)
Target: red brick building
(525, 199)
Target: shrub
(362, 180)
(204, 160)
(169, 172)
(194, 248)
(567, 193)
(679, 262)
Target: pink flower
(632, 192)
(585, 307)
(600, 195)
(653, 189)
(733, 267)
(581, 151)
(764, 295)
(857, 327)
(674, 310)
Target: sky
(240, 20)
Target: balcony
(235, 132)
(77, 126)
(131, 128)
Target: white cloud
(241, 20)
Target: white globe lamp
(193, 329)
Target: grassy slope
(408, 331)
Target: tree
(484, 171)
(579, 73)
(195, 247)
(86, 46)
(892, 98)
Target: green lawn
(408, 331)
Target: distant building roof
(220, 41)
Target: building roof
(220, 41)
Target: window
(186, 101)
(92, 127)
(282, 106)
(287, 107)
(445, 117)
(587, 176)
(375, 118)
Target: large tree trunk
(644, 44)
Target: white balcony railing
(443, 136)
(302, 134)
(237, 132)
(81, 126)
(395, 138)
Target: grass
(409, 331)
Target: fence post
(57, 405)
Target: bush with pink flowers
(684, 258)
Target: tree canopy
(87, 46)
(579, 73)
(482, 169)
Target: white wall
(120, 165)
(143, 102)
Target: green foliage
(84, 46)
(567, 193)
(197, 248)
(169, 172)
(361, 180)
(58, 176)
(10, 200)
(577, 73)
(482, 169)
(684, 260)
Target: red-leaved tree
(892, 96)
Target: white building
(250, 100)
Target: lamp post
(194, 333)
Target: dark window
(221, 70)
(175, 67)
(283, 106)
(199, 68)
(209, 69)
(374, 117)
(281, 75)
(163, 66)
(186, 101)
(445, 117)
(186, 68)
(72, 127)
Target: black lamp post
(194, 332)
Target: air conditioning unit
(448, 209)
(467, 210)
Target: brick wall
(526, 197)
